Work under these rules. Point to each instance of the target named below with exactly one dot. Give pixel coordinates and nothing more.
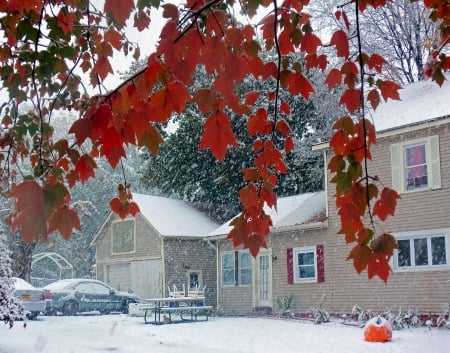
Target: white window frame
(427, 234)
(432, 160)
(304, 250)
(237, 268)
(240, 268)
(228, 253)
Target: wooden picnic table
(192, 306)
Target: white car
(33, 299)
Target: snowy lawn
(123, 334)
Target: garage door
(119, 276)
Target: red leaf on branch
(29, 210)
(384, 244)
(217, 134)
(114, 38)
(310, 42)
(385, 206)
(389, 89)
(378, 266)
(64, 221)
(101, 68)
(340, 41)
(361, 255)
(112, 147)
(85, 167)
(283, 127)
(289, 145)
(256, 122)
(376, 62)
(123, 208)
(81, 128)
(119, 10)
(352, 99)
(141, 20)
(100, 121)
(150, 138)
(205, 100)
(334, 78)
(374, 98)
(298, 83)
(251, 97)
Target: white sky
(125, 334)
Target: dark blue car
(71, 296)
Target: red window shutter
(290, 265)
(320, 264)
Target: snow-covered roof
(172, 217)
(304, 209)
(419, 102)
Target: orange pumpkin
(378, 329)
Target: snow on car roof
(20, 284)
(61, 284)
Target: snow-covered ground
(123, 334)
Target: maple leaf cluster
(46, 46)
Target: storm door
(263, 280)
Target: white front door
(263, 280)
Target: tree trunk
(21, 255)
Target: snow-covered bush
(11, 309)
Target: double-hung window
(237, 268)
(422, 250)
(305, 264)
(416, 165)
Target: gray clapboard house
(161, 247)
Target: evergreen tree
(182, 171)
(11, 309)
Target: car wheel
(125, 306)
(71, 307)
(33, 315)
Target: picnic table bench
(188, 308)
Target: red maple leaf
(361, 255)
(374, 98)
(340, 40)
(334, 78)
(112, 147)
(119, 10)
(385, 206)
(256, 122)
(82, 130)
(310, 42)
(378, 266)
(29, 210)
(298, 83)
(217, 134)
(64, 221)
(389, 89)
(351, 98)
(85, 167)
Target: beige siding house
(246, 284)
(161, 247)
(306, 259)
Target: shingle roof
(304, 209)
(172, 217)
(420, 102)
